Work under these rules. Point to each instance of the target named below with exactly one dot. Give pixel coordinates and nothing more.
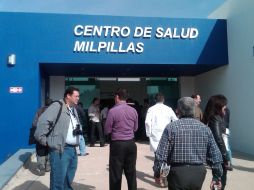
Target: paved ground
(92, 173)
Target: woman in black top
(213, 117)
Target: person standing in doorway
(62, 138)
(104, 113)
(121, 124)
(82, 119)
(95, 123)
(198, 111)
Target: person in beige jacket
(198, 111)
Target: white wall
(235, 80)
(56, 87)
(187, 86)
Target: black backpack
(33, 128)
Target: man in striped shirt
(187, 145)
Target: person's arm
(45, 121)
(109, 124)
(148, 123)
(216, 129)
(214, 158)
(136, 122)
(161, 154)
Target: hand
(162, 182)
(217, 184)
(157, 180)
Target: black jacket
(217, 126)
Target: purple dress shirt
(122, 122)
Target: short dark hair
(159, 97)
(186, 107)
(95, 99)
(70, 91)
(194, 96)
(122, 93)
(48, 101)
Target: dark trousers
(188, 177)
(223, 178)
(123, 156)
(96, 125)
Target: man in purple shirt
(121, 123)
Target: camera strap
(57, 118)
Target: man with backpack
(60, 132)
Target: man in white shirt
(157, 118)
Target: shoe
(103, 145)
(83, 154)
(229, 166)
(91, 145)
(40, 172)
(48, 169)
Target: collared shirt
(71, 139)
(188, 141)
(122, 122)
(104, 113)
(94, 113)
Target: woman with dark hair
(213, 117)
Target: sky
(143, 8)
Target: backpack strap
(57, 118)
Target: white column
(187, 86)
(57, 87)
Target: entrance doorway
(140, 89)
(141, 94)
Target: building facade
(207, 55)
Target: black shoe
(91, 145)
(47, 169)
(229, 167)
(83, 154)
(40, 172)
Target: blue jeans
(63, 168)
(82, 145)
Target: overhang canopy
(113, 45)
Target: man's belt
(70, 145)
(186, 164)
